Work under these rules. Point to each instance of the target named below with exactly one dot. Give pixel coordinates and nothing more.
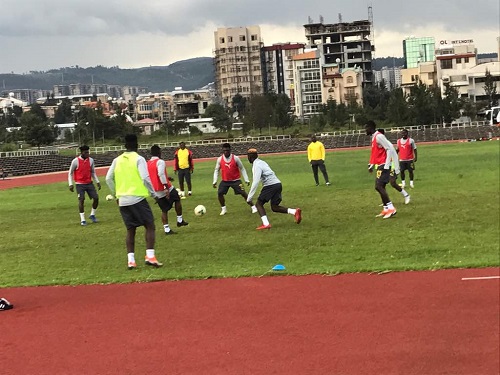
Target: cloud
(39, 35)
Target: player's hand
(167, 194)
(175, 171)
(191, 171)
(215, 185)
(98, 186)
(415, 160)
(370, 168)
(71, 188)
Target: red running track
(397, 323)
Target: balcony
(351, 97)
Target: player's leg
(80, 192)
(276, 199)
(383, 178)
(188, 182)
(393, 181)
(403, 176)
(146, 218)
(314, 165)
(175, 201)
(164, 206)
(221, 193)
(264, 197)
(92, 192)
(130, 243)
(180, 173)
(410, 172)
(322, 168)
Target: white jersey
(261, 172)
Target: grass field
(452, 221)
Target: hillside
(190, 74)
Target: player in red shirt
(383, 155)
(407, 150)
(231, 169)
(82, 169)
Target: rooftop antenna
(309, 19)
(340, 17)
(321, 19)
(372, 31)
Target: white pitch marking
(480, 278)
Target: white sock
(403, 191)
(390, 206)
(93, 211)
(131, 257)
(179, 219)
(292, 211)
(150, 253)
(403, 183)
(411, 183)
(264, 219)
(223, 208)
(167, 228)
(82, 216)
(189, 192)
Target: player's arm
(72, 169)
(390, 151)
(323, 153)
(414, 145)
(110, 178)
(256, 174)
(242, 169)
(216, 171)
(176, 162)
(190, 161)
(309, 152)
(94, 175)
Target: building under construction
(346, 44)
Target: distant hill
(189, 74)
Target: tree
(36, 132)
(451, 104)
(422, 104)
(239, 104)
(397, 108)
(64, 114)
(260, 112)
(37, 110)
(490, 89)
(220, 118)
(282, 112)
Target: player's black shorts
(383, 175)
(81, 189)
(137, 215)
(236, 185)
(406, 165)
(166, 204)
(184, 174)
(271, 193)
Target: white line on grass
(480, 278)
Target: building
(418, 50)
(307, 84)
(425, 73)
(278, 71)
(27, 95)
(341, 85)
(390, 76)
(238, 62)
(347, 44)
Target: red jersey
(155, 178)
(83, 173)
(379, 154)
(406, 149)
(229, 170)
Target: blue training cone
(279, 267)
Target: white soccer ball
(200, 210)
(109, 197)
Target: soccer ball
(109, 197)
(200, 210)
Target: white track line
(480, 278)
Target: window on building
(230, 49)
(221, 40)
(446, 64)
(242, 48)
(253, 37)
(459, 60)
(229, 38)
(242, 38)
(350, 79)
(466, 60)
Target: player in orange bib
(407, 150)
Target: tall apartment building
(238, 62)
(278, 71)
(307, 84)
(418, 50)
(348, 44)
(390, 76)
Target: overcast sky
(47, 34)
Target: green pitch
(452, 221)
